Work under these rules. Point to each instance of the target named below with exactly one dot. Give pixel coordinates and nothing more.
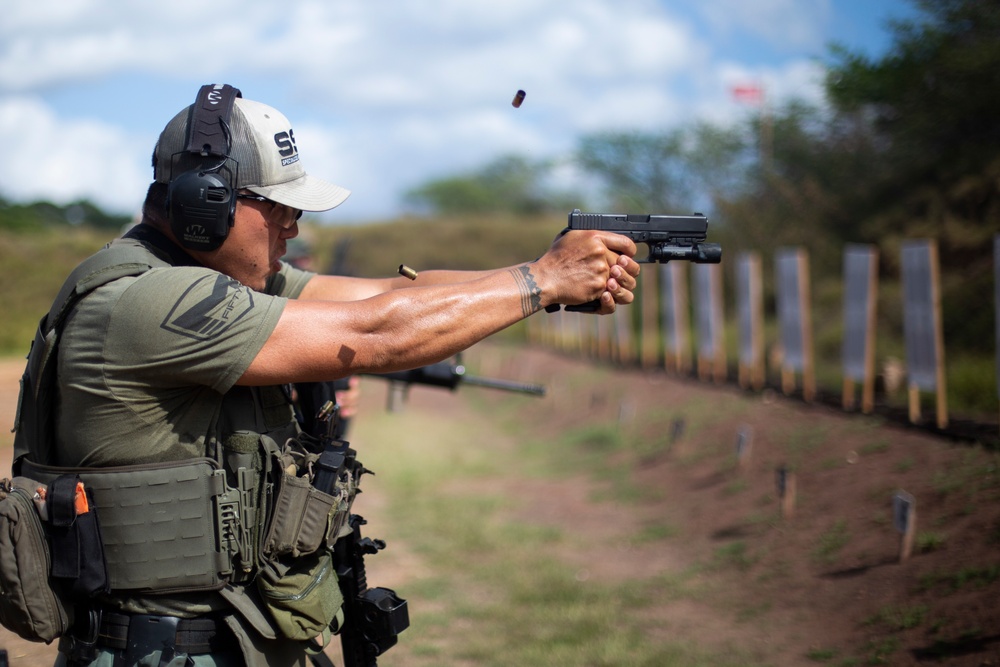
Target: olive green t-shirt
(144, 362)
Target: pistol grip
(589, 307)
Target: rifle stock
(373, 617)
(449, 376)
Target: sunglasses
(289, 215)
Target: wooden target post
(784, 480)
(794, 320)
(593, 335)
(624, 335)
(860, 305)
(922, 327)
(649, 355)
(604, 338)
(676, 322)
(744, 448)
(904, 518)
(709, 313)
(575, 333)
(996, 302)
(750, 307)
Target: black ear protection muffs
(201, 199)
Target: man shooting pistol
(668, 237)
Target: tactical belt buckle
(151, 633)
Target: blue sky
(384, 96)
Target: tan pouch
(300, 520)
(30, 601)
(303, 598)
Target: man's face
(257, 240)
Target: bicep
(311, 342)
(319, 340)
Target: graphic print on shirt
(205, 317)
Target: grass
(735, 555)
(876, 447)
(970, 475)
(821, 654)
(800, 442)
(972, 576)
(905, 465)
(894, 618)
(880, 651)
(494, 589)
(831, 542)
(29, 282)
(927, 541)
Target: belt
(192, 635)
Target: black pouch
(75, 536)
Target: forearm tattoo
(531, 293)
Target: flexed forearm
(397, 329)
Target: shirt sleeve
(183, 326)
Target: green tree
(933, 105)
(509, 184)
(639, 171)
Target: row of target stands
(666, 332)
(665, 336)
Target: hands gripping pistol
(668, 237)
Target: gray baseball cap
(267, 160)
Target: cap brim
(305, 193)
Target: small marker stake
(676, 430)
(904, 519)
(785, 483)
(744, 443)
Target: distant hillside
(45, 215)
(36, 255)
(469, 243)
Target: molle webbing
(167, 527)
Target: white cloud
(52, 158)
(383, 96)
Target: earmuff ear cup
(201, 199)
(201, 206)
